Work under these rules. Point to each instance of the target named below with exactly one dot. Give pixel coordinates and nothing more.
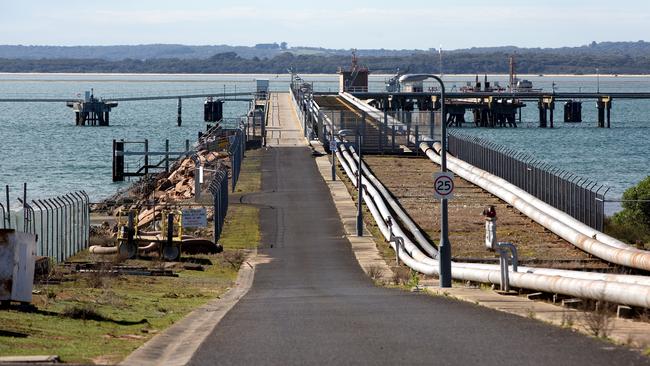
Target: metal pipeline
(403, 216)
(616, 292)
(349, 159)
(537, 203)
(384, 215)
(627, 257)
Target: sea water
(41, 146)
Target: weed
(644, 316)
(235, 258)
(375, 272)
(531, 314)
(567, 320)
(414, 280)
(83, 312)
(400, 276)
(100, 277)
(599, 320)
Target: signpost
(194, 218)
(443, 185)
(333, 146)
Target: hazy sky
(328, 23)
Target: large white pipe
(635, 295)
(539, 204)
(542, 206)
(627, 257)
(403, 216)
(352, 159)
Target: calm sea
(42, 147)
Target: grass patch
(242, 228)
(83, 323)
(250, 178)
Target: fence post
(8, 208)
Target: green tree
(633, 222)
(637, 202)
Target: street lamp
(342, 134)
(444, 256)
(597, 80)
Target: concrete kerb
(177, 344)
(364, 247)
(623, 331)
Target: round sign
(443, 185)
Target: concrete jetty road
(310, 303)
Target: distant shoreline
(272, 75)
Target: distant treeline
(529, 61)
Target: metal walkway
(283, 127)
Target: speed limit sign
(443, 185)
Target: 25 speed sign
(443, 185)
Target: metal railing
(387, 134)
(61, 224)
(579, 197)
(382, 131)
(219, 190)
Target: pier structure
(91, 111)
(145, 165)
(488, 106)
(95, 111)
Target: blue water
(41, 145)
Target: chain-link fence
(237, 148)
(219, 190)
(579, 197)
(61, 224)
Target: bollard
(506, 250)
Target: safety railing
(219, 190)
(61, 224)
(579, 197)
(382, 131)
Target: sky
(412, 24)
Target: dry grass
(235, 258)
(597, 318)
(375, 272)
(401, 276)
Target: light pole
(333, 144)
(597, 80)
(444, 256)
(344, 133)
